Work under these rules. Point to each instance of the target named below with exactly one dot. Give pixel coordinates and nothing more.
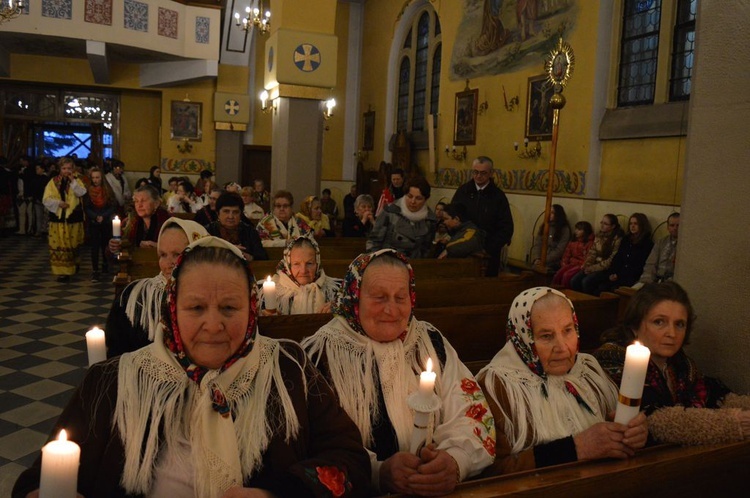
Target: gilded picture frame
(368, 130)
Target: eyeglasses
(476, 172)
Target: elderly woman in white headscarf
(135, 314)
(301, 284)
(372, 352)
(211, 409)
(550, 402)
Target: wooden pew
(438, 293)
(345, 251)
(144, 263)
(476, 332)
(665, 470)
(625, 294)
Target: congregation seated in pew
(230, 227)
(575, 254)
(627, 265)
(465, 238)
(137, 310)
(599, 258)
(551, 404)
(557, 241)
(684, 406)
(372, 353)
(408, 224)
(659, 265)
(360, 221)
(210, 408)
(184, 200)
(141, 228)
(279, 226)
(301, 284)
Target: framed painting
(465, 119)
(538, 110)
(368, 138)
(185, 121)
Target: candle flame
(637, 343)
(62, 436)
(268, 278)
(116, 218)
(429, 365)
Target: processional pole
(559, 67)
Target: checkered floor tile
(42, 346)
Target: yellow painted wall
(140, 118)
(202, 91)
(643, 170)
(333, 138)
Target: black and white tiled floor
(42, 345)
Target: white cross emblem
(231, 107)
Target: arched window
(419, 72)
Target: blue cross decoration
(231, 107)
(307, 57)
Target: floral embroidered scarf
(347, 303)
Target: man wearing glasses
(487, 206)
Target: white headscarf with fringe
(358, 364)
(541, 407)
(294, 298)
(158, 405)
(146, 295)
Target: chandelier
(10, 9)
(253, 18)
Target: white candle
(96, 345)
(59, 468)
(116, 231)
(269, 293)
(427, 379)
(631, 386)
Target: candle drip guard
(424, 405)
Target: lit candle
(116, 231)
(96, 345)
(631, 386)
(427, 379)
(59, 468)
(526, 142)
(269, 293)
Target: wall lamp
(453, 153)
(529, 153)
(328, 112)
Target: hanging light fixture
(256, 16)
(10, 9)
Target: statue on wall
(497, 36)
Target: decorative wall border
(193, 166)
(573, 183)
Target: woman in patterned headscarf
(301, 284)
(550, 402)
(136, 312)
(211, 405)
(372, 352)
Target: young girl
(100, 205)
(575, 254)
